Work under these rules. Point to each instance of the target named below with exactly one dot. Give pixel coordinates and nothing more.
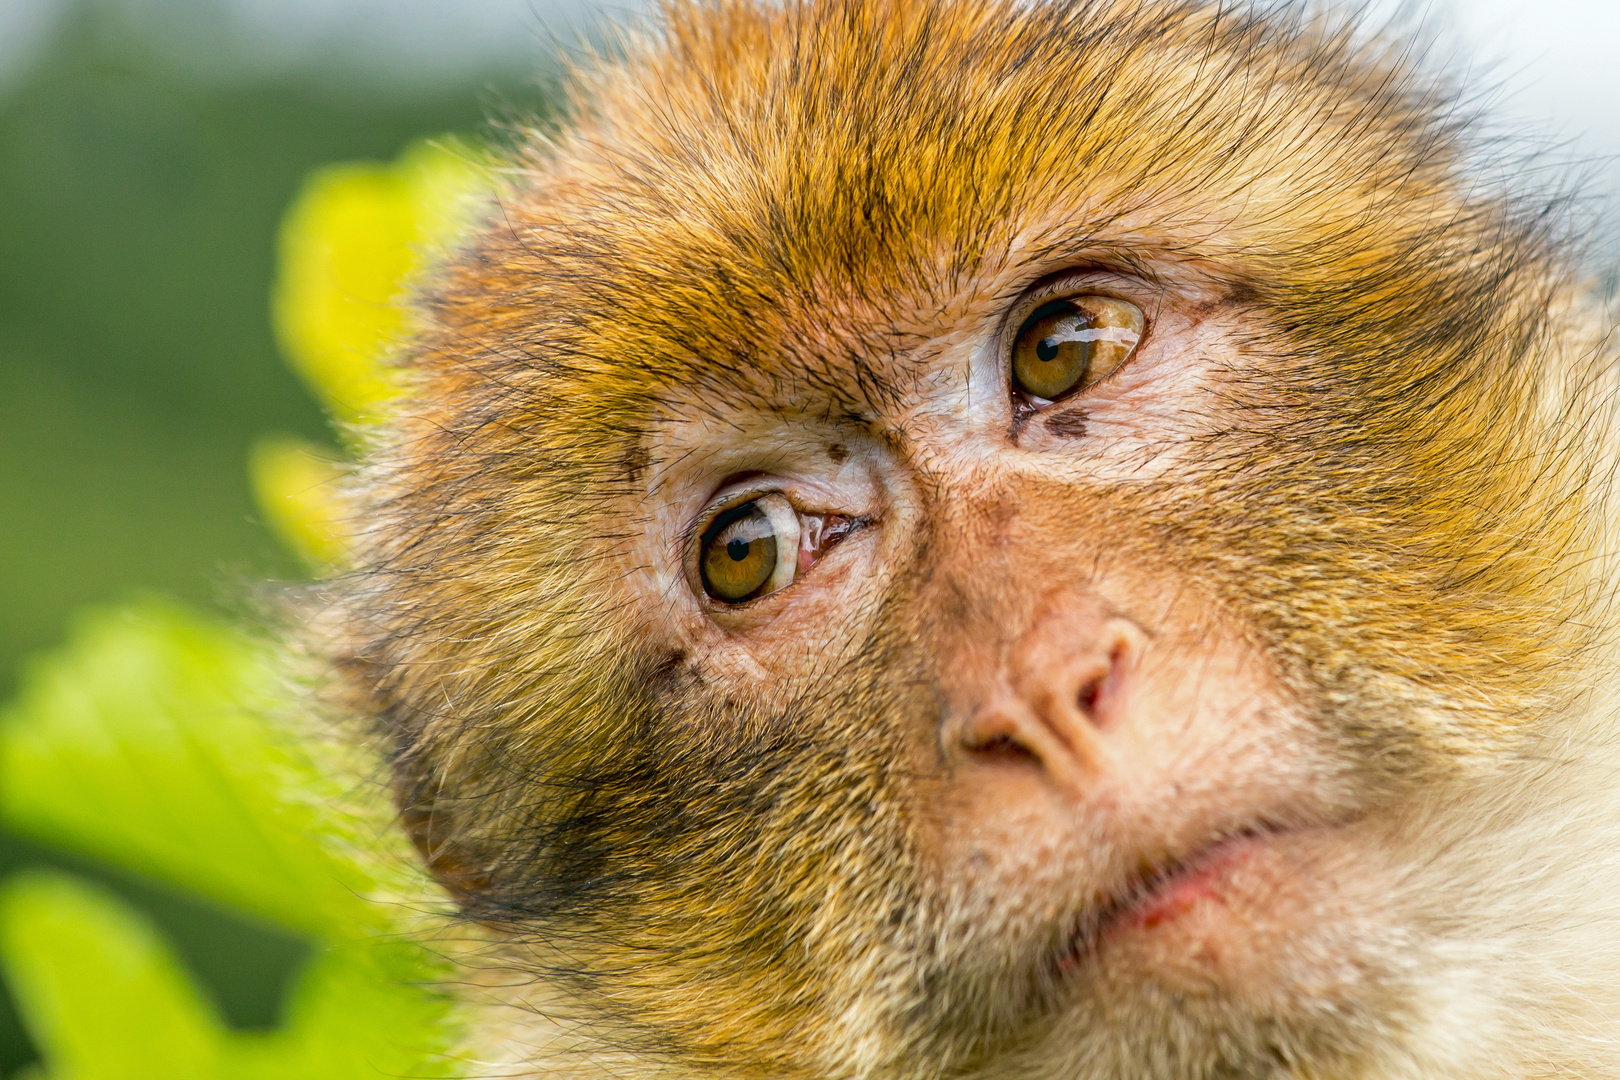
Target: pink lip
(1166, 894)
(1179, 892)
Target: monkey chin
(1249, 957)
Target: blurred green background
(142, 177)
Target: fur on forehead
(797, 194)
(758, 187)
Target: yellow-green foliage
(171, 747)
(352, 244)
(298, 488)
(151, 743)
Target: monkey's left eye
(1068, 345)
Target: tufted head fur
(1383, 484)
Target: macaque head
(1000, 539)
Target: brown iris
(1073, 343)
(750, 550)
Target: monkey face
(1106, 789)
(894, 571)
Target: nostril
(1090, 690)
(1002, 747)
(1098, 683)
(1009, 738)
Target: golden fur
(1400, 488)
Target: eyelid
(1095, 281)
(727, 498)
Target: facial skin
(960, 539)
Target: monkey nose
(1063, 691)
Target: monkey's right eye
(750, 550)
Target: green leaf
(145, 744)
(106, 999)
(299, 491)
(103, 996)
(358, 1012)
(165, 744)
(352, 243)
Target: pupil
(1046, 350)
(737, 549)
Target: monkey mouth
(1163, 889)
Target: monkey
(1001, 539)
